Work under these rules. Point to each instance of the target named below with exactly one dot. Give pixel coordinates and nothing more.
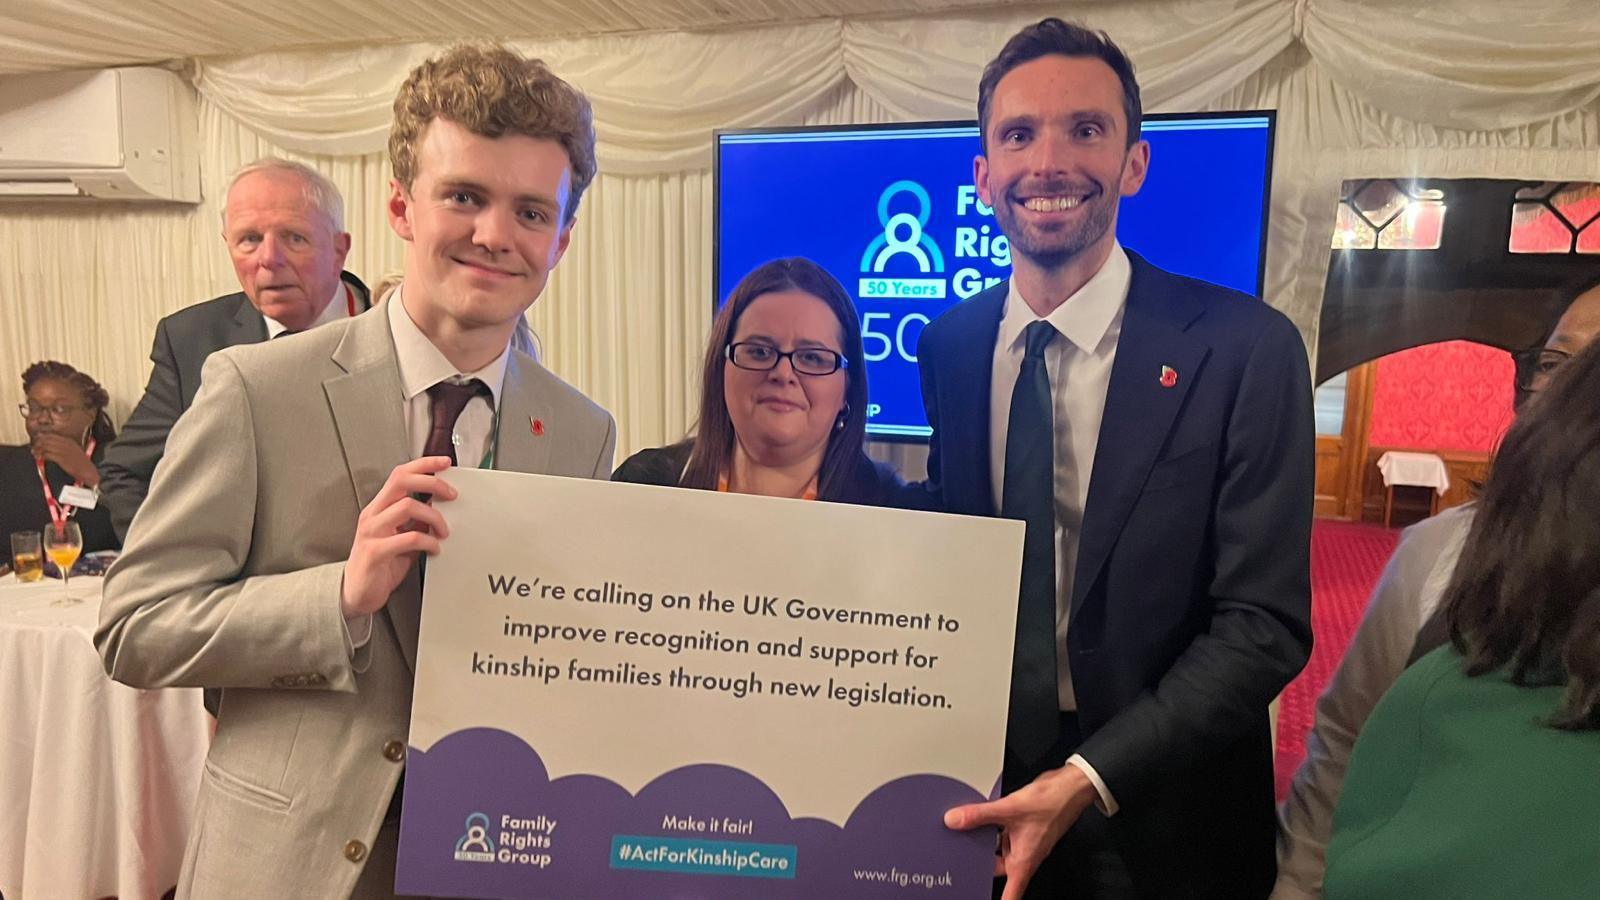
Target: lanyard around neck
(59, 514)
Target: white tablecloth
(97, 780)
(1416, 469)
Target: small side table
(1412, 469)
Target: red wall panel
(1450, 396)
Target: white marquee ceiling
(40, 35)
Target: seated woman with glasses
(1476, 775)
(783, 406)
(68, 430)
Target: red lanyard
(349, 300)
(58, 517)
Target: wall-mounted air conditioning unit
(112, 134)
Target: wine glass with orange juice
(63, 542)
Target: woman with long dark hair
(68, 430)
(783, 405)
(1402, 622)
(1478, 775)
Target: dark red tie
(445, 403)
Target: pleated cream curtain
(1464, 64)
(1503, 90)
(623, 317)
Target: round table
(97, 779)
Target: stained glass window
(1388, 214)
(1556, 217)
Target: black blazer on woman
(22, 506)
(871, 484)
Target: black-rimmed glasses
(758, 357)
(58, 411)
(1536, 367)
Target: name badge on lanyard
(79, 496)
(73, 497)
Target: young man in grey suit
(283, 223)
(277, 556)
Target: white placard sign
(625, 690)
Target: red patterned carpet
(1346, 560)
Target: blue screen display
(891, 211)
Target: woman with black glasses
(783, 405)
(68, 430)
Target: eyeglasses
(58, 411)
(1536, 367)
(806, 361)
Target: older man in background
(284, 226)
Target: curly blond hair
(492, 90)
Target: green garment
(1458, 789)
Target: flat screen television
(891, 211)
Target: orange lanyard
(810, 493)
(349, 300)
(58, 516)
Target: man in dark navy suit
(284, 226)
(1155, 433)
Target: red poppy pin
(536, 426)
(1169, 376)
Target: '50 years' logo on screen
(904, 245)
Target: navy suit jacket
(183, 341)
(1191, 601)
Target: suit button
(355, 851)
(394, 751)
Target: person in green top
(1478, 774)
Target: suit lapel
(1140, 410)
(522, 443)
(249, 325)
(971, 368)
(233, 321)
(366, 404)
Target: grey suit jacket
(231, 578)
(183, 341)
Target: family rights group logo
(524, 842)
(905, 236)
(475, 844)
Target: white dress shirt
(1078, 361)
(337, 308)
(422, 366)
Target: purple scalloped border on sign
(541, 838)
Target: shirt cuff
(1106, 803)
(358, 631)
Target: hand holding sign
(635, 709)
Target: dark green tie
(1029, 494)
